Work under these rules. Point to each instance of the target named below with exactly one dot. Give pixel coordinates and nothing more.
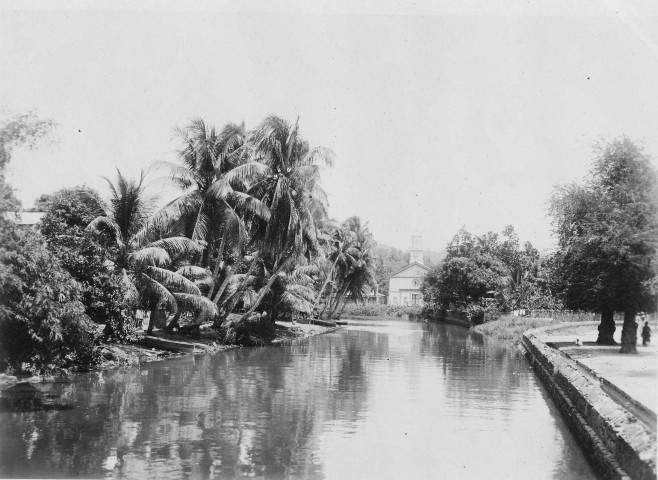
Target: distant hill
(433, 258)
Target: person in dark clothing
(646, 334)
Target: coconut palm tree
(358, 271)
(209, 211)
(284, 175)
(339, 245)
(292, 293)
(144, 256)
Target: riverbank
(207, 341)
(117, 355)
(608, 399)
(512, 328)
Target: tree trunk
(342, 308)
(223, 286)
(232, 301)
(629, 333)
(174, 322)
(324, 285)
(328, 302)
(265, 289)
(158, 319)
(340, 296)
(219, 264)
(607, 328)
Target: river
(379, 399)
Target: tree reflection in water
(275, 412)
(242, 412)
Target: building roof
(25, 218)
(424, 267)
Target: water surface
(379, 399)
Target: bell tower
(416, 250)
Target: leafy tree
(471, 270)
(43, 325)
(21, 131)
(486, 271)
(85, 255)
(608, 236)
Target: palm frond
(132, 295)
(156, 294)
(248, 205)
(152, 255)
(178, 246)
(244, 176)
(193, 272)
(172, 281)
(319, 156)
(196, 303)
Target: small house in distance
(404, 285)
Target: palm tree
(358, 273)
(291, 293)
(143, 256)
(209, 211)
(284, 175)
(341, 252)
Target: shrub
(369, 310)
(255, 331)
(84, 255)
(43, 325)
(109, 305)
(475, 313)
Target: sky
(440, 114)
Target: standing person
(646, 334)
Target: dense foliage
(607, 231)
(352, 272)
(85, 255)
(488, 272)
(249, 233)
(43, 325)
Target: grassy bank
(511, 328)
(396, 311)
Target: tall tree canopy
(284, 175)
(20, 131)
(487, 270)
(607, 232)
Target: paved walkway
(636, 375)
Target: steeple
(416, 250)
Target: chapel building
(404, 285)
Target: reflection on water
(25, 397)
(375, 400)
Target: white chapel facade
(404, 285)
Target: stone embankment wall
(618, 443)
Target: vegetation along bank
(246, 243)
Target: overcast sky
(439, 116)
